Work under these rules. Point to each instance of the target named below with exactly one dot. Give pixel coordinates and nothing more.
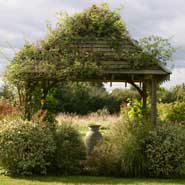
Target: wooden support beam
(154, 102)
(137, 88)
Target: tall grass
(82, 122)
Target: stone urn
(92, 137)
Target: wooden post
(154, 102)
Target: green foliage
(165, 95)
(26, 148)
(158, 47)
(172, 112)
(121, 153)
(70, 150)
(129, 136)
(163, 110)
(165, 151)
(51, 103)
(104, 160)
(178, 93)
(82, 98)
(123, 95)
(96, 21)
(135, 149)
(174, 94)
(135, 110)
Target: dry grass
(82, 122)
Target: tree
(159, 48)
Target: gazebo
(107, 53)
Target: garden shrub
(163, 110)
(121, 153)
(135, 149)
(26, 148)
(129, 137)
(165, 151)
(104, 160)
(146, 151)
(173, 112)
(176, 113)
(70, 151)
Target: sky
(22, 20)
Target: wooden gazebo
(84, 43)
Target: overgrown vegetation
(26, 148)
(134, 149)
(33, 148)
(164, 150)
(131, 147)
(70, 151)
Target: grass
(82, 122)
(85, 180)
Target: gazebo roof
(128, 63)
(98, 33)
(117, 67)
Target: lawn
(84, 180)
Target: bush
(165, 151)
(121, 153)
(26, 148)
(135, 149)
(165, 95)
(146, 151)
(129, 135)
(173, 112)
(123, 95)
(71, 150)
(104, 160)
